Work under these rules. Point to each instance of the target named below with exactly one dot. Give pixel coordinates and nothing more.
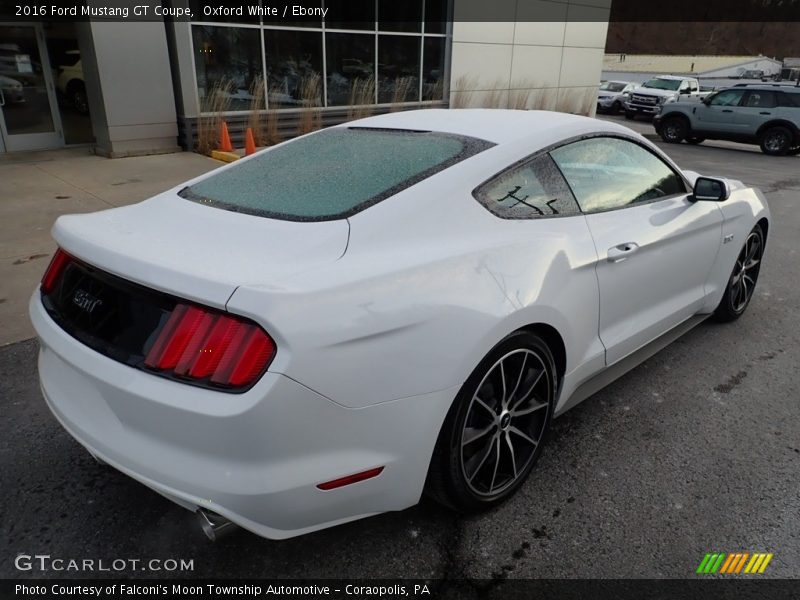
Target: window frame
(564, 182)
(561, 187)
(630, 139)
(265, 25)
(742, 91)
(746, 99)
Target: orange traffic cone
(225, 139)
(249, 143)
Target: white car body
(378, 320)
(609, 100)
(70, 73)
(13, 92)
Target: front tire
(630, 115)
(674, 130)
(776, 141)
(743, 279)
(495, 430)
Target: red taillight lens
(54, 270)
(350, 479)
(200, 344)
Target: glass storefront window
(435, 16)
(398, 68)
(350, 60)
(433, 68)
(350, 14)
(400, 16)
(227, 61)
(372, 62)
(292, 59)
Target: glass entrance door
(28, 114)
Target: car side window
(761, 99)
(608, 173)
(531, 190)
(727, 98)
(788, 99)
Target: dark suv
(767, 115)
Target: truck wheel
(674, 130)
(616, 107)
(630, 115)
(776, 141)
(692, 139)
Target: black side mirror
(712, 190)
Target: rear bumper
(255, 458)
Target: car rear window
(332, 174)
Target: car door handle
(727, 110)
(765, 113)
(621, 252)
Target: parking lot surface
(695, 451)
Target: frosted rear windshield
(332, 174)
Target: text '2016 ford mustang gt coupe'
(331, 327)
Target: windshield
(663, 84)
(613, 86)
(332, 174)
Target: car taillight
(200, 344)
(54, 270)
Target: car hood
(198, 252)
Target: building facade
(147, 87)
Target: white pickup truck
(648, 98)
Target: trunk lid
(198, 252)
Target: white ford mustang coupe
(333, 326)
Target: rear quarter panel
(419, 298)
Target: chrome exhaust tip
(213, 525)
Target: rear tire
(495, 429)
(743, 279)
(616, 107)
(776, 141)
(674, 130)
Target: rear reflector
(200, 344)
(343, 481)
(59, 261)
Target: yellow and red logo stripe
(734, 563)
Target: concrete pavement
(37, 187)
